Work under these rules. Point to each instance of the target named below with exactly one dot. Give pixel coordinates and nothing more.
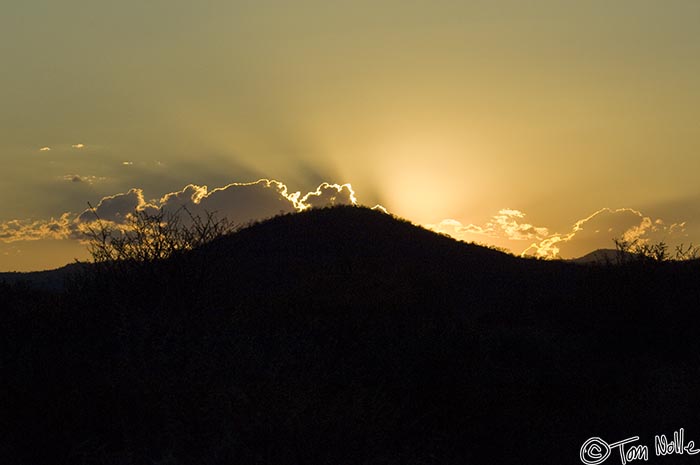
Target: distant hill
(602, 257)
(346, 335)
(52, 280)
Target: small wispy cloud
(45, 149)
(127, 163)
(78, 146)
(87, 179)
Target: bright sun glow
(428, 178)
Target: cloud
(240, 203)
(116, 208)
(246, 202)
(45, 149)
(597, 230)
(329, 194)
(127, 163)
(510, 222)
(600, 228)
(78, 146)
(76, 178)
(26, 230)
(380, 208)
(507, 224)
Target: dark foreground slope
(345, 336)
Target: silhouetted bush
(638, 250)
(147, 236)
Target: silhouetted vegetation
(637, 250)
(147, 236)
(345, 335)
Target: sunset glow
(437, 111)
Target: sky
(544, 127)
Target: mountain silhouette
(51, 280)
(346, 335)
(604, 257)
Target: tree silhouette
(150, 236)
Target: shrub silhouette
(641, 251)
(149, 236)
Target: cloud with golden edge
(507, 224)
(380, 208)
(605, 225)
(117, 208)
(329, 195)
(27, 230)
(240, 203)
(595, 231)
(243, 203)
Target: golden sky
(504, 122)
